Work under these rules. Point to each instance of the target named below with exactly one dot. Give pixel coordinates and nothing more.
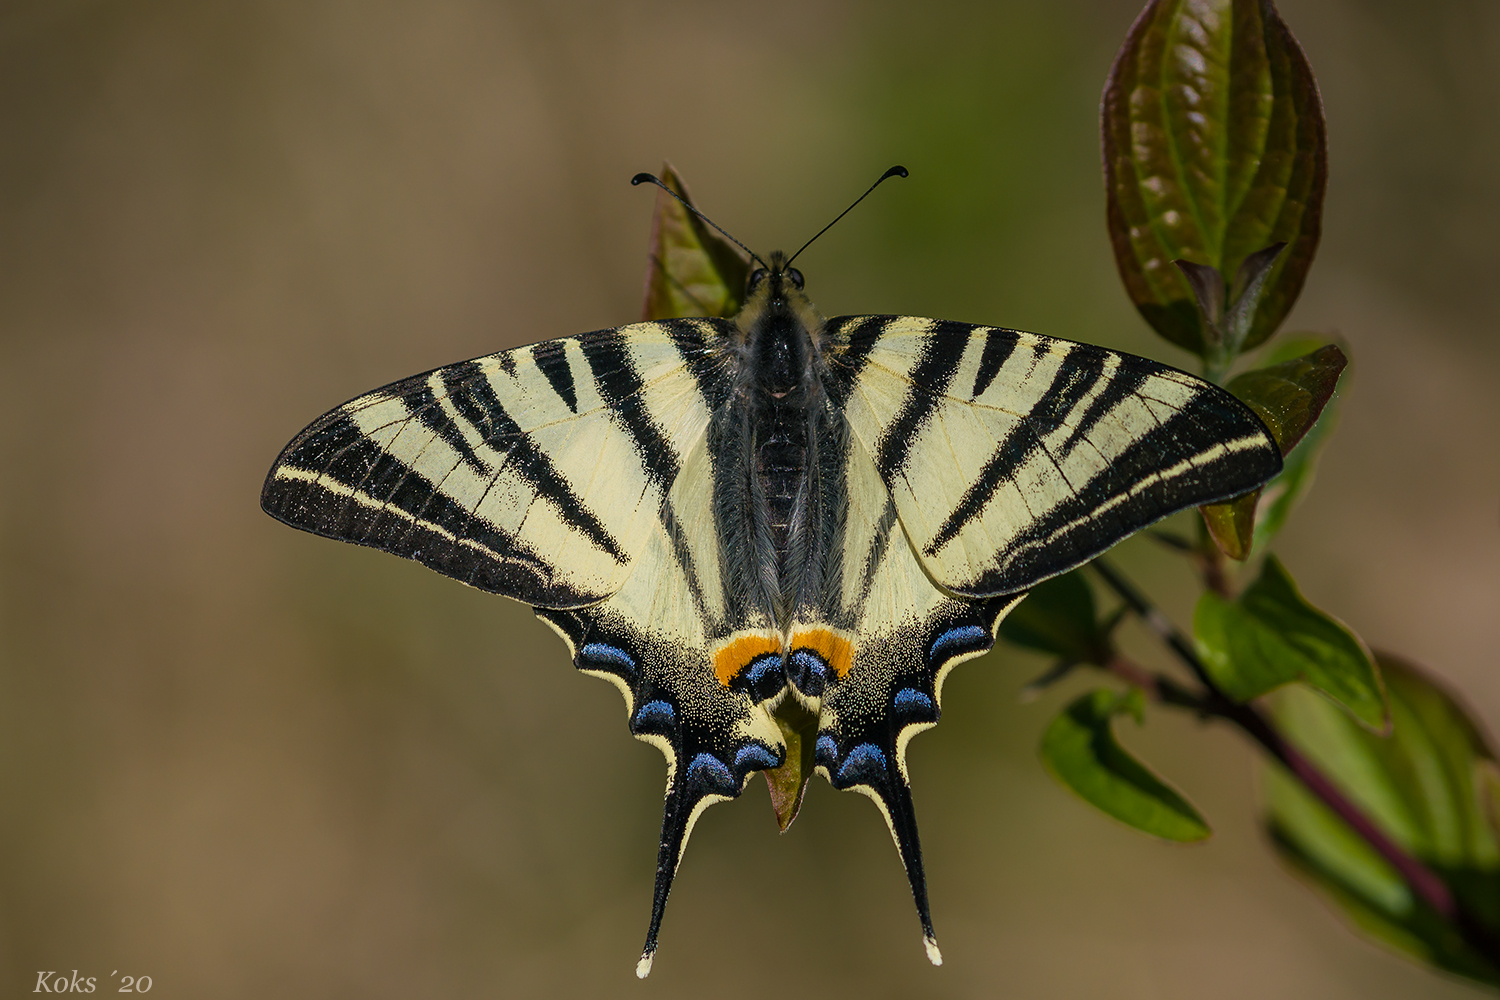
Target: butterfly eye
(756, 277)
(795, 277)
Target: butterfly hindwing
(536, 473)
(1012, 457)
(906, 635)
(655, 639)
(980, 462)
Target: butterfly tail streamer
(872, 770)
(699, 770)
(865, 751)
(705, 781)
(904, 825)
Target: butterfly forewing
(536, 473)
(1013, 457)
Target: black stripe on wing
(698, 341)
(334, 479)
(1132, 491)
(933, 373)
(683, 554)
(379, 502)
(999, 345)
(619, 385)
(1116, 503)
(476, 402)
(853, 338)
(1078, 375)
(880, 541)
(424, 407)
(552, 361)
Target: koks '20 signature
(56, 982)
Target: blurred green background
(247, 762)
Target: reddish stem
(1422, 880)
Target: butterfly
(774, 533)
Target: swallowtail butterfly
(775, 533)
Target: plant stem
(1211, 702)
(1210, 560)
(1154, 619)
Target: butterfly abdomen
(781, 467)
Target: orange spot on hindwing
(833, 648)
(739, 651)
(835, 651)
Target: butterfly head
(779, 326)
(774, 286)
(780, 333)
(775, 279)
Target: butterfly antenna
(645, 178)
(896, 171)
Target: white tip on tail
(643, 967)
(933, 955)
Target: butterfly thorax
(785, 426)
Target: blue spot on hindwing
(655, 716)
(754, 757)
(808, 672)
(825, 751)
(761, 666)
(765, 676)
(710, 773)
(864, 765)
(963, 639)
(600, 656)
(911, 702)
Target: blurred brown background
(248, 762)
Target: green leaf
(1290, 346)
(1423, 786)
(1289, 397)
(1271, 636)
(1058, 617)
(1231, 523)
(1214, 149)
(1283, 493)
(693, 271)
(1079, 750)
(788, 783)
